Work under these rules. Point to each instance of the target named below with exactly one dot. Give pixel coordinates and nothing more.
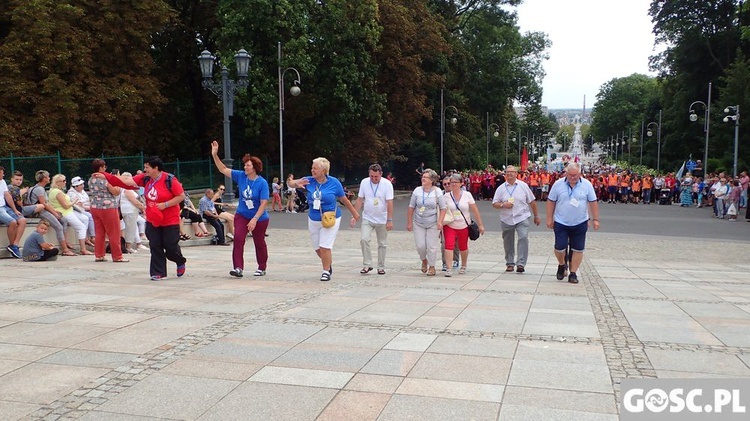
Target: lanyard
(572, 189)
(375, 190)
(423, 196)
(151, 184)
(510, 193)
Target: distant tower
(583, 114)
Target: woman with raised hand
(163, 193)
(425, 218)
(251, 215)
(323, 194)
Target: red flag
(524, 159)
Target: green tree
(81, 78)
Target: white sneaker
(142, 247)
(294, 211)
(230, 235)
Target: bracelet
(389, 220)
(166, 205)
(596, 220)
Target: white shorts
(322, 237)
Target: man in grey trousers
(516, 202)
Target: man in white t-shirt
(516, 202)
(376, 196)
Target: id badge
(421, 210)
(316, 204)
(574, 202)
(249, 204)
(375, 201)
(511, 200)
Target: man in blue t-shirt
(571, 201)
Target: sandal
(462, 270)
(184, 237)
(85, 252)
(121, 261)
(381, 271)
(509, 268)
(424, 266)
(431, 271)
(101, 259)
(365, 270)
(68, 253)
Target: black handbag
(473, 227)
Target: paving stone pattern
(488, 344)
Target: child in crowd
(36, 249)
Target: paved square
(90, 341)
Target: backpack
(26, 197)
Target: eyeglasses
(222, 189)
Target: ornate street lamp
(294, 90)
(735, 110)
(706, 125)
(226, 90)
(454, 120)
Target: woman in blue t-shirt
(323, 194)
(251, 215)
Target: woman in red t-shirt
(163, 193)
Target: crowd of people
(120, 210)
(724, 194)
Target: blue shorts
(574, 236)
(7, 216)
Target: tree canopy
(118, 77)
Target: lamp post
(642, 129)
(649, 133)
(496, 133)
(735, 110)
(706, 125)
(294, 90)
(225, 90)
(507, 138)
(442, 127)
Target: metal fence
(193, 175)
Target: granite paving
(98, 341)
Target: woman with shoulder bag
(425, 218)
(459, 202)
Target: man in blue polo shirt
(569, 202)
